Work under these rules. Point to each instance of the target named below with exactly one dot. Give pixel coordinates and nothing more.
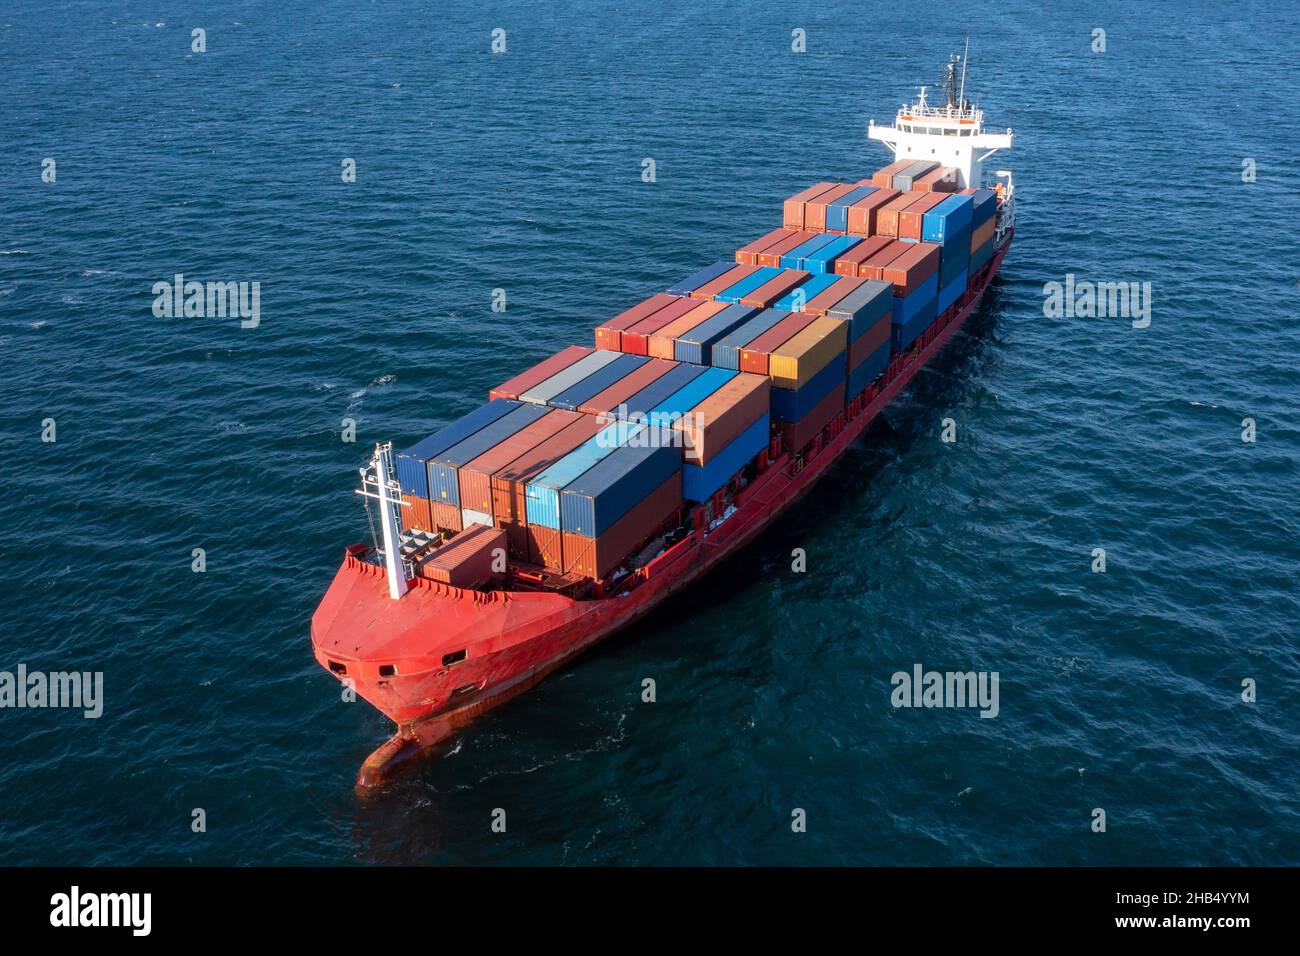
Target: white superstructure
(951, 135)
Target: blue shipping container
(951, 292)
(837, 213)
(700, 278)
(544, 391)
(868, 370)
(660, 388)
(597, 382)
(412, 473)
(696, 346)
(791, 405)
(980, 256)
(592, 503)
(796, 299)
(864, 306)
(823, 260)
(734, 293)
(444, 468)
(903, 335)
(954, 256)
(700, 482)
(542, 494)
(906, 307)
(681, 402)
(986, 205)
(951, 215)
(791, 259)
(726, 351)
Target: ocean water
(522, 171)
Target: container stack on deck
(584, 458)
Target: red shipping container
(415, 515)
(870, 340)
(754, 356)
(609, 333)
(468, 560)
(598, 557)
(626, 387)
(887, 217)
(774, 288)
(873, 267)
(508, 483)
(728, 278)
(661, 344)
(444, 516)
(634, 340)
(864, 213)
(884, 176)
(832, 294)
(540, 372)
(797, 434)
(912, 268)
(475, 477)
(771, 257)
(909, 220)
(847, 264)
(814, 210)
(723, 415)
(941, 180)
(748, 255)
(546, 546)
(793, 208)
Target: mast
(388, 494)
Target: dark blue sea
(522, 170)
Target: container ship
(593, 486)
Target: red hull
(404, 657)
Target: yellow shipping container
(807, 353)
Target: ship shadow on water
(439, 811)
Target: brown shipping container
(465, 561)
(661, 343)
(546, 547)
(508, 503)
(847, 264)
(873, 267)
(771, 256)
(912, 268)
(887, 217)
(832, 294)
(728, 278)
(540, 372)
(626, 387)
(795, 436)
(445, 516)
(864, 214)
(983, 234)
(754, 356)
(814, 210)
(415, 514)
(476, 476)
(909, 220)
(598, 557)
(941, 180)
(793, 208)
(870, 340)
(884, 176)
(633, 341)
(722, 416)
(793, 363)
(774, 288)
(608, 333)
(748, 255)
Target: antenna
(965, 57)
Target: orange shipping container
(806, 353)
(887, 217)
(909, 220)
(771, 256)
(814, 210)
(874, 267)
(609, 333)
(941, 180)
(774, 288)
(714, 422)
(728, 278)
(847, 264)
(864, 214)
(794, 206)
(470, 559)
(661, 345)
(598, 557)
(625, 387)
(634, 340)
(832, 294)
(475, 477)
(913, 267)
(754, 357)
(983, 234)
(884, 176)
(748, 255)
(415, 514)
